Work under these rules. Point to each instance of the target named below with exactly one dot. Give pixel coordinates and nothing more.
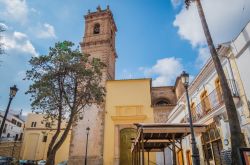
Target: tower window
(33, 124)
(162, 102)
(97, 28)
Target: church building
(127, 102)
(135, 113)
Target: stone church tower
(99, 42)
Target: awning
(154, 137)
(159, 135)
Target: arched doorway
(125, 145)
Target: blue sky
(155, 39)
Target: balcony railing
(211, 102)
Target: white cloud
(4, 26)
(16, 10)
(165, 71)
(19, 42)
(33, 10)
(189, 27)
(46, 31)
(19, 35)
(203, 56)
(225, 19)
(176, 3)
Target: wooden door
(218, 90)
(180, 157)
(189, 159)
(217, 147)
(205, 102)
(125, 145)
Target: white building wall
(204, 81)
(235, 69)
(12, 129)
(241, 49)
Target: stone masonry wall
(11, 149)
(161, 113)
(102, 46)
(166, 93)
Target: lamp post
(13, 91)
(86, 155)
(195, 152)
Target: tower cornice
(101, 13)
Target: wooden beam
(173, 143)
(182, 152)
(142, 142)
(148, 157)
(173, 150)
(164, 156)
(139, 152)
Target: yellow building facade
(37, 136)
(127, 102)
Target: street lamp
(195, 152)
(87, 130)
(13, 91)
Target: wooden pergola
(157, 136)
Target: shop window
(212, 144)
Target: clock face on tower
(97, 28)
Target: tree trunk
(58, 130)
(51, 157)
(53, 140)
(237, 138)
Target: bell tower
(99, 39)
(98, 42)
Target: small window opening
(97, 28)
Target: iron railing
(211, 102)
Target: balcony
(211, 102)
